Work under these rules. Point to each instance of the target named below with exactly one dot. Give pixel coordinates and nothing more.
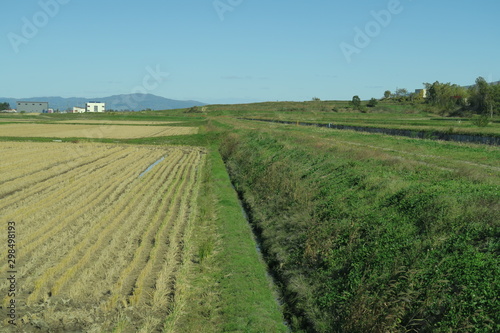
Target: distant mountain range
(131, 102)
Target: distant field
(92, 131)
(386, 115)
(5, 120)
(98, 247)
(407, 122)
(117, 122)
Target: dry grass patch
(92, 131)
(99, 247)
(16, 120)
(117, 122)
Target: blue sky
(244, 50)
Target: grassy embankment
(228, 287)
(370, 233)
(417, 117)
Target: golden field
(91, 131)
(116, 122)
(99, 242)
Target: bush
(481, 121)
(372, 103)
(356, 102)
(193, 109)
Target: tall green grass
(247, 301)
(365, 242)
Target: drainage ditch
(278, 282)
(431, 135)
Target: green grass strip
(248, 301)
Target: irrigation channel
(430, 135)
(257, 236)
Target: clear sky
(244, 50)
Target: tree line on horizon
(482, 98)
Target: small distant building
(421, 92)
(77, 109)
(32, 107)
(95, 107)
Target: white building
(95, 107)
(421, 92)
(77, 109)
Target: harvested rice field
(91, 131)
(99, 233)
(116, 122)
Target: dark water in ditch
(487, 140)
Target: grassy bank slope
(415, 117)
(226, 286)
(369, 240)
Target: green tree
(431, 92)
(356, 102)
(401, 94)
(483, 97)
(372, 103)
(446, 96)
(4, 106)
(495, 93)
(387, 94)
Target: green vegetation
(228, 290)
(365, 240)
(356, 102)
(387, 114)
(249, 307)
(447, 97)
(372, 103)
(364, 232)
(485, 98)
